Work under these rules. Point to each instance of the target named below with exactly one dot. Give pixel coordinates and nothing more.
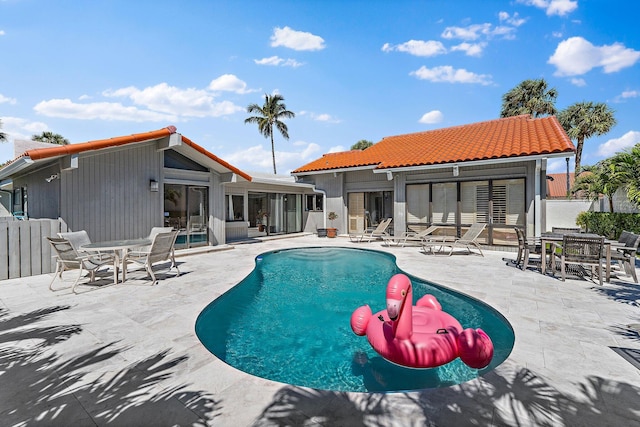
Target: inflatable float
(420, 336)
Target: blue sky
(349, 70)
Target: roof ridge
(520, 116)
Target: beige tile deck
(127, 355)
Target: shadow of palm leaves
(40, 389)
(623, 292)
(513, 397)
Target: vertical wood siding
(108, 194)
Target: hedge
(609, 224)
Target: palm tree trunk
(273, 154)
(578, 155)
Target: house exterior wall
(43, 198)
(337, 187)
(108, 193)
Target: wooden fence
(24, 251)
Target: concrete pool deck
(127, 355)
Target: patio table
(548, 238)
(120, 249)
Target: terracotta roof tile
(502, 138)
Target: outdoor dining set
(563, 250)
(74, 250)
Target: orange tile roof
(495, 139)
(557, 188)
(62, 150)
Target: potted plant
(332, 232)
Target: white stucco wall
(563, 213)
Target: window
(474, 202)
(444, 203)
(314, 202)
(235, 207)
(508, 202)
(418, 204)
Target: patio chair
(77, 239)
(626, 255)
(468, 240)
(376, 234)
(161, 249)
(525, 249)
(410, 236)
(67, 258)
(581, 251)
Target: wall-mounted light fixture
(456, 170)
(52, 177)
(153, 185)
(389, 176)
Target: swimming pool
(288, 321)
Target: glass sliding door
(186, 209)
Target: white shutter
(418, 203)
(356, 212)
(444, 203)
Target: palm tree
(51, 138)
(529, 97)
(583, 120)
(3, 136)
(268, 115)
(361, 145)
(602, 178)
(627, 171)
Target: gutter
(471, 163)
(16, 166)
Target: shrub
(609, 224)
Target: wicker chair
(581, 250)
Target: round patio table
(119, 249)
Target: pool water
(289, 321)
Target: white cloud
(17, 128)
(259, 158)
(431, 117)
(5, 99)
(277, 61)
(230, 83)
(630, 94)
(320, 117)
(553, 7)
(514, 19)
(558, 165)
(476, 31)
(447, 73)
(557, 34)
(578, 82)
(417, 48)
(615, 145)
(67, 109)
(337, 149)
(470, 49)
(296, 40)
(84, 97)
(172, 102)
(2, 33)
(576, 56)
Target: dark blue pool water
(288, 321)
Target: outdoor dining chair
(161, 249)
(526, 249)
(626, 255)
(581, 251)
(78, 239)
(67, 258)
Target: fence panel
(24, 251)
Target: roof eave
(16, 166)
(337, 170)
(475, 162)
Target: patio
(128, 354)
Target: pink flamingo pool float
(420, 336)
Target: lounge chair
(161, 249)
(376, 234)
(468, 240)
(410, 237)
(67, 258)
